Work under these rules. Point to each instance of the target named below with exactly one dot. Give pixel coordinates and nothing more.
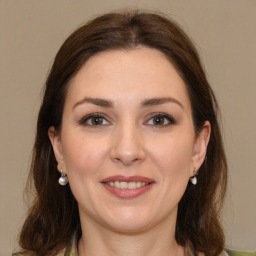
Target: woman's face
(127, 141)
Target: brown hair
(53, 217)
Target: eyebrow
(145, 103)
(95, 101)
(159, 101)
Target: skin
(128, 142)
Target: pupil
(97, 120)
(158, 120)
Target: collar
(71, 250)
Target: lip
(127, 179)
(128, 193)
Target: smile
(127, 187)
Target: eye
(94, 120)
(160, 119)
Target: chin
(130, 221)
(130, 226)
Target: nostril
(127, 160)
(126, 149)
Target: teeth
(132, 185)
(123, 185)
(116, 184)
(127, 185)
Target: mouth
(127, 187)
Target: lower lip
(128, 193)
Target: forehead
(128, 74)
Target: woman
(129, 127)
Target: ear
(200, 147)
(57, 147)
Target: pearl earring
(193, 179)
(63, 180)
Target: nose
(127, 145)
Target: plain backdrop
(225, 35)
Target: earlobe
(200, 146)
(57, 146)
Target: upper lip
(127, 179)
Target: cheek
(82, 154)
(173, 154)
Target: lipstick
(127, 187)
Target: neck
(100, 241)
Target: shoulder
(70, 250)
(239, 253)
(24, 254)
(66, 252)
(233, 253)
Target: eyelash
(170, 120)
(167, 118)
(84, 120)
